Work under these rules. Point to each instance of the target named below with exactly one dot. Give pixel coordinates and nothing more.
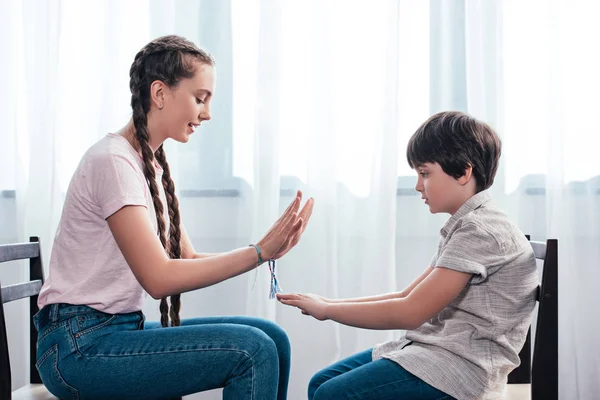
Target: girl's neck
(128, 132)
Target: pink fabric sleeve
(115, 182)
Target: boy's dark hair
(456, 140)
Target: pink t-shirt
(86, 265)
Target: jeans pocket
(47, 366)
(89, 327)
(90, 322)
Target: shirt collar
(473, 203)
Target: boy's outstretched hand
(309, 304)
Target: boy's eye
(423, 174)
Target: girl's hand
(287, 225)
(294, 238)
(309, 304)
(285, 233)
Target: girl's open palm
(294, 237)
(286, 231)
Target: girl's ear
(157, 94)
(463, 180)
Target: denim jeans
(83, 353)
(358, 377)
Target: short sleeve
(471, 249)
(115, 182)
(433, 260)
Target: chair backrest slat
(21, 290)
(19, 251)
(543, 372)
(539, 249)
(30, 288)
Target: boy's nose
(419, 187)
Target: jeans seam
(252, 388)
(357, 396)
(52, 329)
(74, 391)
(45, 356)
(94, 328)
(164, 352)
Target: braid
(174, 245)
(141, 132)
(163, 59)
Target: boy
(468, 314)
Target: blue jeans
(358, 377)
(83, 353)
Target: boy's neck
(469, 192)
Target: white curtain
(320, 96)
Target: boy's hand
(309, 304)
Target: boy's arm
(387, 296)
(425, 300)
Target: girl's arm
(425, 300)
(161, 276)
(387, 296)
(188, 252)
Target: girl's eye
(199, 101)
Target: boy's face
(443, 193)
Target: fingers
(297, 227)
(297, 300)
(291, 213)
(288, 296)
(285, 224)
(307, 209)
(303, 218)
(296, 233)
(287, 230)
(295, 204)
(288, 302)
(288, 224)
(292, 303)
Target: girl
(117, 240)
(468, 314)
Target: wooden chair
(35, 390)
(539, 380)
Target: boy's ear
(463, 180)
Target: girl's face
(181, 109)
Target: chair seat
(33, 392)
(517, 391)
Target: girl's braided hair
(168, 59)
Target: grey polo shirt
(468, 349)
